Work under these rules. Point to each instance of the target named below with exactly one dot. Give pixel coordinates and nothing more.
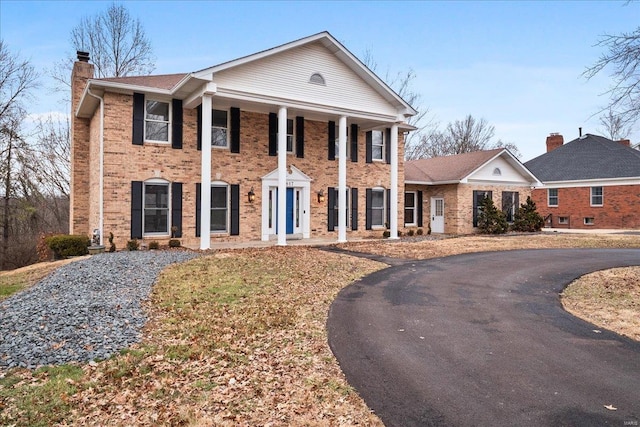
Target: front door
(293, 210)
(437, 215)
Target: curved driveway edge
(482, 340)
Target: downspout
(101, 168)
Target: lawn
(238, 338)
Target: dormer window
(316, 78)
(497, 172)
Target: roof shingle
(585, 158)
(447, 168)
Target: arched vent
(497, 172)
(316, 78)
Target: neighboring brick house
(590, 182)
(449, 189)
(143, 150)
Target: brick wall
(79, 177)
(458, 203)
(621, 207)
(125, 162)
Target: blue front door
(289, 210)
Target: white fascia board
(605, 182)
(303, 106)
(498, 183)
(432, 182)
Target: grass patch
(39, 398)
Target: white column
(393, 208)
(282, 176)
(205, 178)
(342, 179)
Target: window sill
(157, 143)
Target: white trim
(282, 177)
(227, 187)
(342, 179)
(414, 208)
(157, 182)
(384, 208)
(205, 174)
(393, 208)
(168, 122)
(601, 197)
(557, 196)
(603, 182)
(295, 179)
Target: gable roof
(458, 168)
(185, 85)
(589, 157)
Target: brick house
(450, 188)
(298, 141)
(590, 182)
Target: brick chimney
(554, 141)
(625, 142)
(80, 134)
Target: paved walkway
(482, 340)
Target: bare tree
(403, 84)
(17, 79)
(614, 126)
(622, 55)
(460, 136)
(116, 42)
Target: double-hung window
(596, 196)
(377, 145)
(289, 136)
(410, 208)
(345, 208)
(337, 142)
(219, 209)
(552, 197)
(156, 208)
(219, 128)
(157, 114)
(377, 207)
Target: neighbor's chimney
(554, 141)
(580, 132)
(625, 142)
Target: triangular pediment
(293, 175)
(503, 168)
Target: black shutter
(199, 136)
(300, 137)
(369, 147)
(354, 208)
(198, 186)
(368, 212)
(354, 143)
(176, 208)
(331, 206)
(387, 145)
(136, 209)
(235, 130)
(273, 134)
(138, 118)
(388, 203)
(419, 208)
(235, 210)
(176, 123)
(331, 140)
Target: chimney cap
(82, 56)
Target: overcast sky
(516, 64)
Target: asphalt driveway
(482, 340)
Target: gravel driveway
(85, 310)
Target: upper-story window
(337, 142)
(289, 136)
(157, 114)
(596, 196)
(377, 145)
(552, 197)
(219, 128)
